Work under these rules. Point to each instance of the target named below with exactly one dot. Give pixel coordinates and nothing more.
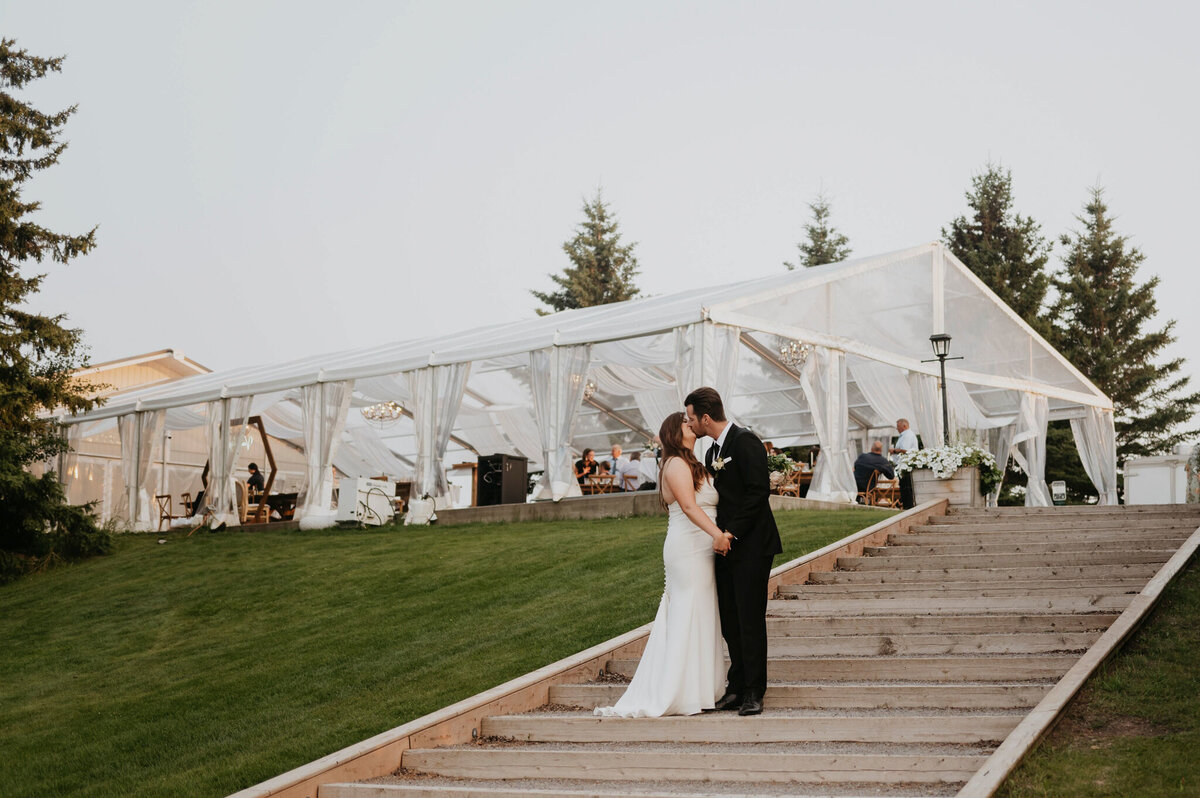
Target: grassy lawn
(206, 664)
(1134, 729)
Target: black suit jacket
(744, 487)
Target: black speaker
(503, 479)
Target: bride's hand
(722, 544)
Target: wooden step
(978, 668)
(880, 695)
(1130, 510)
(1066, 587)
(775, 726)
(1024, 547)
(983, 573)
(938, 624)
(748, 766)
(925, 605)
(1139, 516)
(901, 557)
(929, 644)
(1058, 530)
(427, 787)
(1172, 539)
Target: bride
(682, 670)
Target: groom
(738, 463)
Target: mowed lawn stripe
(207, 664)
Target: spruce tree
(825, 244)
(602, 269)
(37, 352)
(1101, 320)
(1003, 248)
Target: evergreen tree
(1100, 319)
(602, 269)
(1003, 248)
(825, 244)
(37, 352)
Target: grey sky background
(276, 179)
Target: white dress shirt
(907, 441)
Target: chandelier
(794, 353)
(589, 388)
(384, 411)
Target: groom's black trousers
(742, 602)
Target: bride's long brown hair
(672, 442)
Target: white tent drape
(823, 380)
(927, 407)
(482, 429)
(1030, 448)
(884, 388)
(363, 454)
(522, 429)
(706, 354)
(68, 460)
(559, 374)
(1000, 443)
(437, 392)
(323, 409)
(655, 406)
(1096, 439)
(138, 432)
(225, 428)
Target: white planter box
(962, 489)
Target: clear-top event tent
(546, 387)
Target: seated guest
(629, 472)
(870, 462)
(616, 461)
(256, 481)
(770, 447)
(586, 466)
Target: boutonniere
(718, 463)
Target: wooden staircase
(898, 673)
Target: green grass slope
(1134, 728)
(206, 664)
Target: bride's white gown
(682, 670)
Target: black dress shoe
(753, 705)
(726, 702)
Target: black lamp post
(941, 352)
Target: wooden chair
(790, 486)
(886, 493)
(865, 496)
(163, 503)
(257, 509)
(243, 500)
(630, 482)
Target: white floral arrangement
(945, 460)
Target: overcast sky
(275, 179)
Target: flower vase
(961, 488)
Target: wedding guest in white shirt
(907, 442)
(629, 474)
